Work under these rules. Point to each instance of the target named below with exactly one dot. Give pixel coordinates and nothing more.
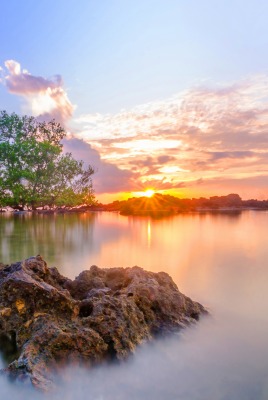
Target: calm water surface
(219, 259)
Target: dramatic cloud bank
(44, 97)
(204, 141)
(108, 178)
(206, 136)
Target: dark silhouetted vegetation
(163, 205)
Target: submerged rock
(47, 320)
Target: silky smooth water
(218, 259)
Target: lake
(218, 259)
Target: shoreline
(156, 206)
(145, 213)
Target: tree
(33, 169)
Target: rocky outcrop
(47, 320)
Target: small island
(160, 205)
(48, 321)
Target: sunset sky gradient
(165, 95)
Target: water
(218, 259)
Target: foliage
(33, 169)
(161, 205)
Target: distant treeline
(161, 205)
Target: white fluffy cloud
(46, 98)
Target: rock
(47, 320)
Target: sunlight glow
(42, 103)
(149, 192)
(145, 193)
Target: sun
(149, 192)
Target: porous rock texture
(48, 320)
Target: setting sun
(149, 192)
(145, 193)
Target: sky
(169, 95)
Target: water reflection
(192, 248)
(57, 238)
(149, 233)
(217, 259)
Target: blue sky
(116, 55)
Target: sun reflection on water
(149, 234)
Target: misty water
(218, 259)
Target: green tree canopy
(33, 169)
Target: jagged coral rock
(47, 320)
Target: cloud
(249, 187)
(45, 98)
(218, 155)
(108, 178)
(165, 159)
(199, 134)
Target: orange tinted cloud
(194, 138)
(204, 141)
